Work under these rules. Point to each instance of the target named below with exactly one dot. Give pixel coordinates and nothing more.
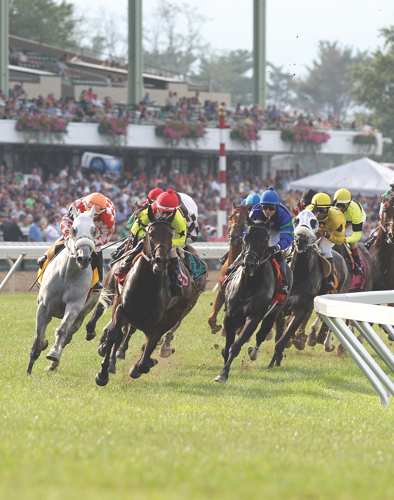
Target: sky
(294, 27)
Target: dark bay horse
(382, 251)
(146, 301)
(237, 223)
(248, 296)
(308, 278)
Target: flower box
(175, 132)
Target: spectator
(52, 232)
(61, 68)
(35, 230)
(11, 230)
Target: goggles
(99, 209)
(322, 210)
(269, 207)
(342, 205)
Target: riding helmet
(168, 201)
(270, 197)
(154, 194)
(97, 199)
(307, 196)
(342, 196)
(252, 199)
(321, 200)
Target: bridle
(259, 259)
(238, 238)
(389, 235)
(152, 250)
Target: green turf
(311, 429)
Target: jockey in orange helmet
(104, 221)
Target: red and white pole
(222, 214)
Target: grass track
(311, 429)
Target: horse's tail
(106, 298)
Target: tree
(373, 81)
(325, 90)
(281, 87)
(44, 21)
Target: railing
(361, 309)
(32, 251)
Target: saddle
(122, 276)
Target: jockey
(389, 193)
(167, 203)
(279, 219)
(305, 200)
(355, 217)
(331, 231)
(251, 200)
(104, 221)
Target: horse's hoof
(223, 332)
(160, 341)
(268, 337)
(165, 351)
(253, 353)
(134, 373)
(329, 348)
(53, 356)
(299, 344)
(341, 351)
(278, 361)
(311, 341)
(112, 369)
(90, 336)
(100, 381)
(102, 349)
(289, 344)
(51, 368)
(44, 344)
(215, 329)
(360, 338)
(152, 362)
(120, 355)
(221, 378)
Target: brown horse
(145, 301)
(238, 221)
(382, 251)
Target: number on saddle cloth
(197, 267)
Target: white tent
(362, 177)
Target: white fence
(362, 309)
(32, 251)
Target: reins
(153, 251)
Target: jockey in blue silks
(279, 220)
(251, 200)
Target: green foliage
(174, 132)
(367, 138)
(245, 133)
(311, 429)
(44, 21)
(281, 87)
(325, 90)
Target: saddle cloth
(54, 250)
(278, 297)
(358, 281)
(197, 267)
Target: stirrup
(98, 286)
(283, 289)
(357, 269)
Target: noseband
(152, 250)
(259, 259)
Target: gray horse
(65, 289)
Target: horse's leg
(40, 343)
(103, 339)
(121, 352)
(91, 324)
(109, 288)
(145, 363)
(70, 315)
(294, 322)
(312, 340)
(280, 326)
(166, 350)
(247, 331)
(114, 335)
(217, 305)
(301, 338)
(328, 345)
(261, 336)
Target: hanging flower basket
(246, 133)
(304, 137)
(115, 129)
(174, 132)
(42, 129)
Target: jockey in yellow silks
(355, 218)
(332, 226)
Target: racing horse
(382, 250)
(65, 289)
(250, 295)
(237, 223)
(145, 301)
(308, 278)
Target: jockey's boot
(358, 268)
(41, 260)
(223, 258)
(284, 287)
(329, 282)
(116, 254)
(175, 276)
(97, 261)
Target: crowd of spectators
(31, 206)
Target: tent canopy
(362, 177)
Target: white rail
(362, 309)
(32, 251)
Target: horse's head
(387, 219)
(81, 237)
(237, 223)
(158, 240)
(255, 243)
(305, 225)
